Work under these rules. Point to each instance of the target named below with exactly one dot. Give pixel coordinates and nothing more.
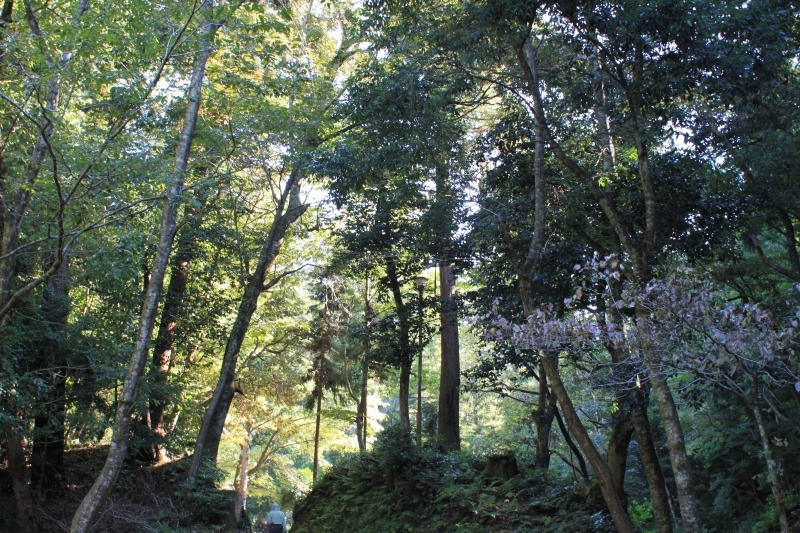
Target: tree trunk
(571, 444)
(618, 444)
(47, 458)
(662, 511)
(361, 416)
(92, 503)
(618, 513)
(165, 340)
(545, 413)
(18, 468)
(319, 418)
(449, 435)
(289, 209)
(243, 466)
(772, 465)
(405, 344)
(677, 450)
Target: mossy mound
(401, 489)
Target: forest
(400, 265)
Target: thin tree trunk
(449, 435)
(405, 344)
(618, 513)
(93, 501)
(572, 446)
(289, 209)
(243, 466)
(772, 465)
(677, 450)
(361, 417)
(318, 420)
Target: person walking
(276, 520)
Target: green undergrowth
(399, 488)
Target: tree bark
(405, 344)
(47, 458)
(545, 413)
(289, 209)
(662, 512)
(572, 446)
(618, 513)
(361, 415)
(18, 468)
(772, 465)
(89, 508)
(244, 473)
(617, 456)
(449, 435)
(318, 420)
(167, 330)
(677, 449)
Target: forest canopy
(252, 248)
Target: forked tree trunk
(89, 508)
(638, 254)
(618, 513)
(449, 435)
(288, 210)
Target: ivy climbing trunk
(94, 500)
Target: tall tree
(87, 512)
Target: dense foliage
(343, 255)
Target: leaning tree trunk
(289, 209)
(450, 376)
(93, 501)
(618, 513)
